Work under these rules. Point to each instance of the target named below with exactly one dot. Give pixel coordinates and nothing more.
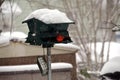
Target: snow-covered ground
(114, 50)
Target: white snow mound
(4, 41)
(60, 65)
(113, 65)
(49, 16)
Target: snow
(68, 45)
(5, 37)
(4, 41)
(78, 59)
(31, 67)
(16, 36)
(114, 50)
(61, 65)
(9, 10)
(104, 4)
(49, 16)
(111, 66)
(6, 8)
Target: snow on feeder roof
(49, 16)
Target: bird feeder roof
(49, 16)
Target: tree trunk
(1, 1)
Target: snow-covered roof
(31, 67)
(49, 16)
(10, 8)
(113, 65)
